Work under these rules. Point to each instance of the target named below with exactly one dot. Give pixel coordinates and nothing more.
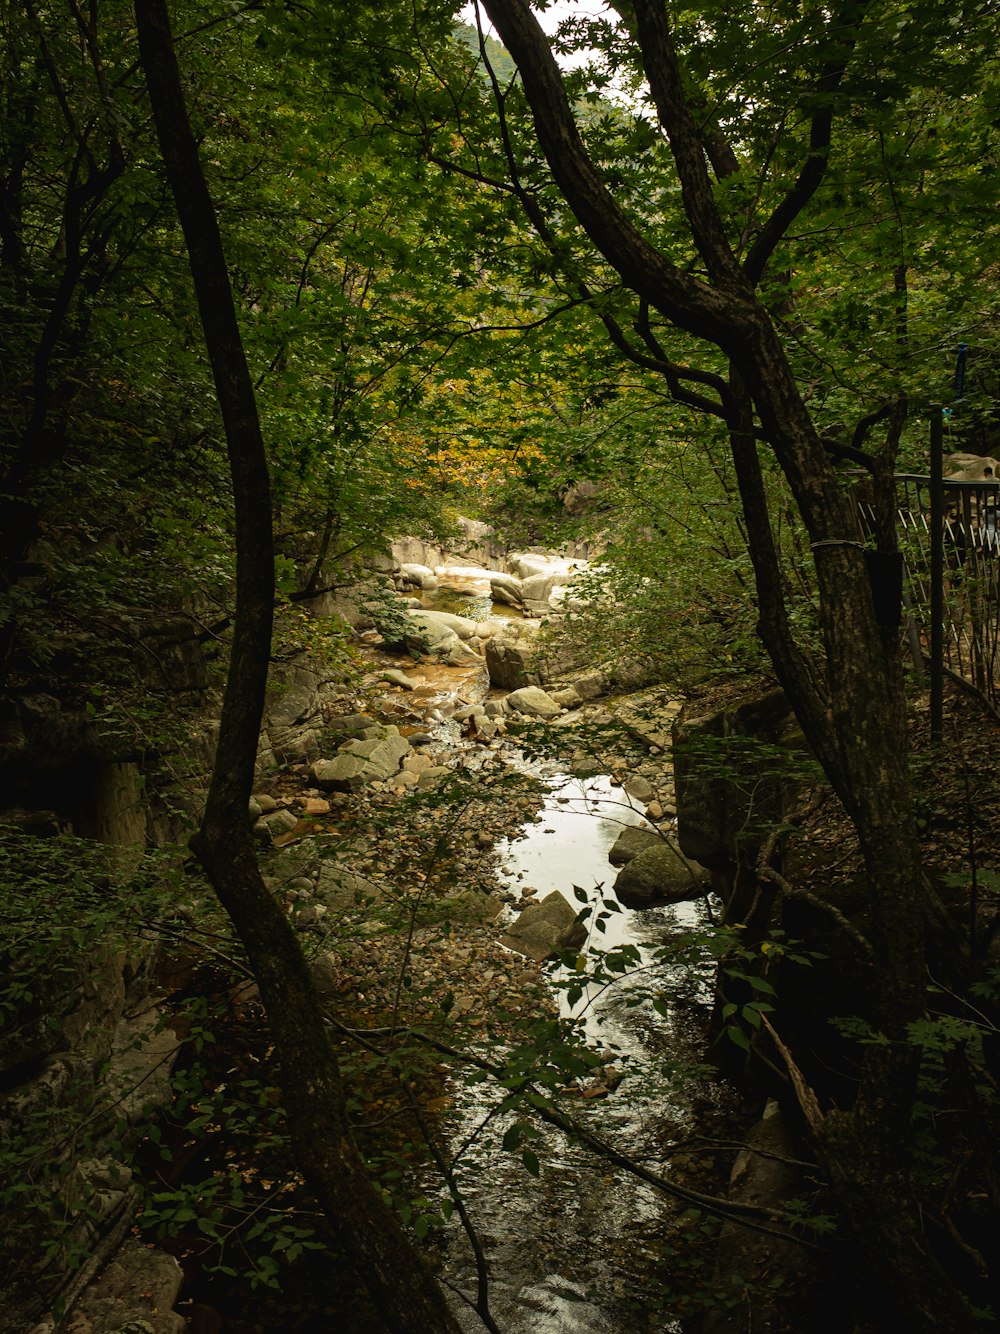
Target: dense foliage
(439, 319)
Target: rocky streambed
(480, 819)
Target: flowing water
(571, 1250)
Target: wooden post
(937, 576)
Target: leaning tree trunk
(400, 1285)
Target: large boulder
(506, 588)
(534, 702)
(630, 842)
(293, 723)
(342, 890)
(415, 551)
(426, 633)
(545, 929)
(461, 625)
(658, 876)
(371, 757)
(537, 588)
(349, 725)
(382, 756)
(512, 658)
(418, 576)
(527, 563)
(728, 798)
(347, 608)
(344, 773)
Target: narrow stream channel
(571, 1251)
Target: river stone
(506, 588)
(630, 842)
(567, 698)
(591, 685)
(275, 823)
(534, 702)
(525, 564)
(417, 762)
(639, 787)
(510, 665)
(344, 773)
(545, 928)
(426, 634)
(431, 777)
(658, 876)
(421, 575)
(293, 706)
(341, 890)
(538, 587)
(397, 678)
(461, 625)
(350, 724)
(382, 756)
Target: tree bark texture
(400, 1285)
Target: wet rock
(545, 928)
(660, 875)
(630, 842)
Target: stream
(574, 1249)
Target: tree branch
(848, 20)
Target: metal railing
(968, 557)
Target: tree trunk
(402, 1288)
(851, 707)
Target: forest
(424, 424)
